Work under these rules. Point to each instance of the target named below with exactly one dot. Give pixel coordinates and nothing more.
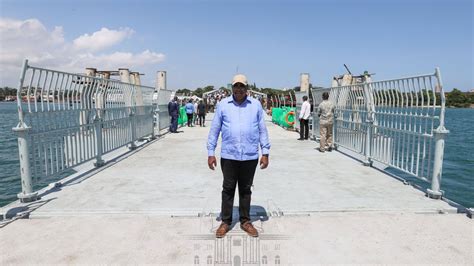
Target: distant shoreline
(454, 107)
(450, 107)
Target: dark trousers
(304, 128)
(202, 119)
(174, 123)
(190, 119)
(241, 173)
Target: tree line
(454, 98)
(457, 98)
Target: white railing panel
(66, 119)
(164, 96)
(398, 122)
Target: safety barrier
(67, 119)
(399, 123)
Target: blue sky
(202, 43)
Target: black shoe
(301, 139)
(319, 149)
(330, 149)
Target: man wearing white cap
(240, 120)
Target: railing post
(156, 123)
(334, 130)
(27, 194)
(98, 136)
(22, 130)
(439, 136)
(368, 144)
(313, 122)
(370, 123)
(133, 128)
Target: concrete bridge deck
(160, 205)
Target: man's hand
(212, 162)
(263, 161)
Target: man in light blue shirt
(190, 112)
(240, 120)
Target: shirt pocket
(252, 142)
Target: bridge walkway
(160, 204)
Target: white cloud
(101, 39)
(117, 60)
(28, 37)
(20, 39)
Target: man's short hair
(325, 95)
(305, 98)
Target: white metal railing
(67, 119)
(399, 123)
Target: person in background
(213, 104)
(189, 112)
(240, 121)
(173, 112)
(326, 116)
(195, 115)
(304, 118)
(201, 113)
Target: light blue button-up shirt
(243, 129)
(189, 108)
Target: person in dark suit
(201, 111)
(173, 111)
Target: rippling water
(9, 164)
(458, 168)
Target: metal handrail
(395, 122)
(67, 119)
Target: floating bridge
(126, 192)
